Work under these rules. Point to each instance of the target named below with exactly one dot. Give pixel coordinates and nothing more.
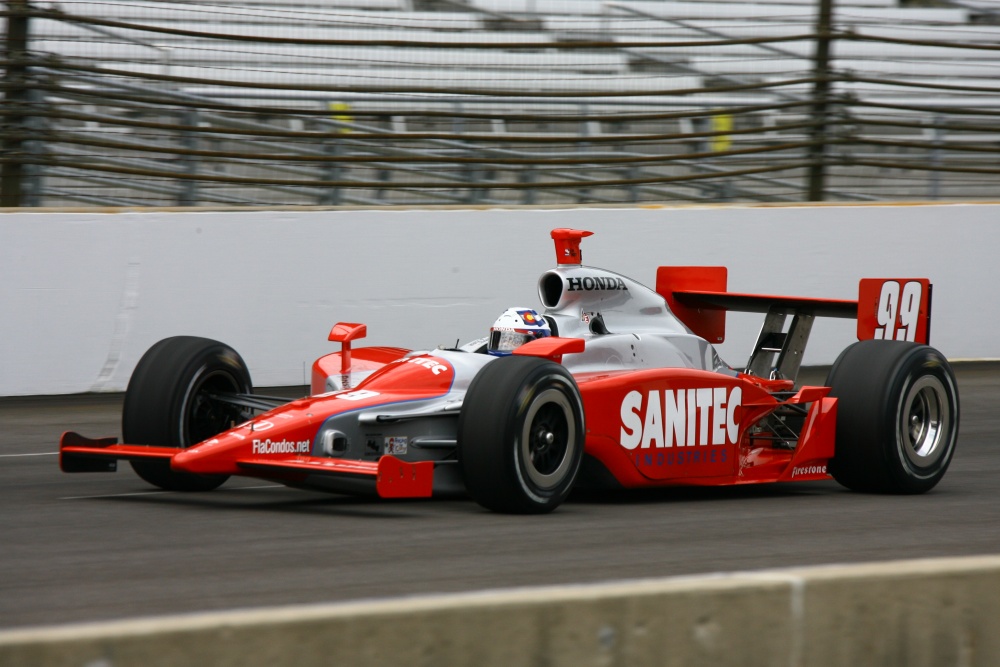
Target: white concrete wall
(83, 294)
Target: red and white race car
(610, 384)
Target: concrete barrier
(922, 613)
(84, 294)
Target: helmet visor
(505, 341)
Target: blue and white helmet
(514, 328)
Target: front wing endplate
(80, 454)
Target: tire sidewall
(874, 382)
(162, 390)
(535, 388)
(492, 450)
(161, 396)
(920, 363)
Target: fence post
(939, 136)
(820, 110)
(188, 193)
(16, 98)
(32, 175)
(332, 171)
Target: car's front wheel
(521, 435)
(175, 398)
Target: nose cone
(216, 456)
(288, 432)
(279, 434)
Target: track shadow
(678, 494)
(277, 500)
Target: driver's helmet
(514, 328)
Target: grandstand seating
(552, 76)
(188, 56)
(536, 82)
(304, 58)
(758, 11)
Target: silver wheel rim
(924, 422)
(537, 435)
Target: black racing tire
(897, 417)
(521, 435)
(167, 404)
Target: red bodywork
(694, 427)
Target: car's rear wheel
(897, 416)
(521, 435)
(172, 400)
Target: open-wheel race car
(610, 384)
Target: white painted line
(11, 456)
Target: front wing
(389, 477)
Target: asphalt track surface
(90, 547)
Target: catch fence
(414, 102)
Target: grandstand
(508, 101)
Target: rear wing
(886, 308)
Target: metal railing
(316, 109)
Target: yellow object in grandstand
(341, 107)
(722, 122)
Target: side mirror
(344, 333)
